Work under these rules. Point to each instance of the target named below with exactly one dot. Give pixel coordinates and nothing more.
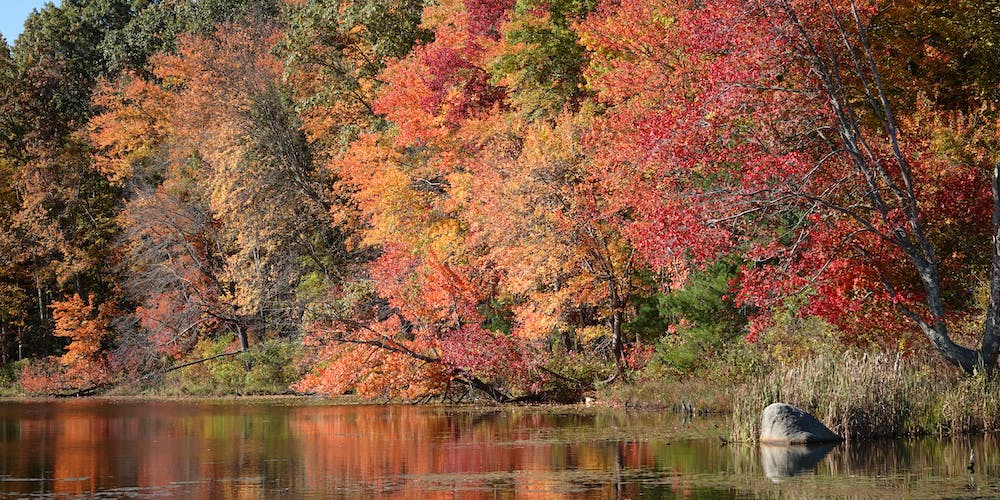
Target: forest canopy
(526, 198)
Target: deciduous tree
(772, 129)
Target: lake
(300, 448)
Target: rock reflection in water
(785, 461)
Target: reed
(861, 395)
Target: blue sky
(12, 16)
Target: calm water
(296, 449)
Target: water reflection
(273, 449)
(292, 449)
(781, 462)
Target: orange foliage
(532, 204)
(373, 372)
(87, 327)
(42, 376)
(133, 123)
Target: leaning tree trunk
(986, 357)
(889, 183)
(990, 345)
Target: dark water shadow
(783, 461)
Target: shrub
(42, 376)
(269, 367)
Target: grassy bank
(861, 395)
(857, 394)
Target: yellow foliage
(592, 333)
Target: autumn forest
(504, 199)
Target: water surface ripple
(293, 448)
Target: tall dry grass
(860, 395)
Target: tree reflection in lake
(295, 448)
(274, 448)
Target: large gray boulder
(785, 424)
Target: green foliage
(71, 32)
(11, 127)
(738, 363)
(226, 375)
(542, 68)
(702, 319)
(335, 50)
(707, 388)
(10, 374)
(272, 368)
(379, 29)
(649, 322)
(154, 26)
(581, 367)
(497, 315)
(793, 337)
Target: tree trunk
(969, 360)
(986, 357)
(41, 305)
(567, 339)
(244, 343)
(937, 329)
(892, 189)
(617, 311)
(990, 345)
(616, 330)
